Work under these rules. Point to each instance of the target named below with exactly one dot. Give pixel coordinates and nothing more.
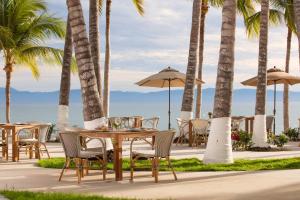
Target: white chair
(183, 126)
(43, 135)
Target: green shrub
(292, 134)
(280, 140)
(241, 140)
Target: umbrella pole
(274, 109)
(169, 125)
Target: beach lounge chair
(162, 150)
(200, 133)
(77, 153)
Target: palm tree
(95, 6)
(92, 106)
(106, 92)
(219, 149)
(188, 95)
(259, 131)
(25, 25)
(244, 7)
(297, 21)
(65, 82)
(281, 9)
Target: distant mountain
(245, 95)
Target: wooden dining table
(117, 138)
(14, 129)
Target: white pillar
(259, 137)
(219, 149)
(62, 117)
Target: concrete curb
(2, 197)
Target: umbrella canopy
(161, 79)
(168, 77)
(274, 76)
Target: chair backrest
(163, 142)
(70, 143)
(25, 134)
(269, 122)
(183, 125)
(150, 122)
(44, 132)
(200, 126)
(236, 124)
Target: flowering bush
(241, 140)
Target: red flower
(235, 136)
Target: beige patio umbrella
(274, 76)
(168, 77)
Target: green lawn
(195, 165)
(24, 195)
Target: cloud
(142, 45)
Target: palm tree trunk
(92, 106)
(188, 95)
(107, 60)
(219, 149)
(8, 71)
(65, 82)
(286, 86)
(259, 131)
(204, 9)
(95, 41)
(297, 21)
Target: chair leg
(79, 169)
(153, 163)
(62, 172)
(131, 168)
(171, 167)
(104, 167)
(156, 168)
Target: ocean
(47, 112)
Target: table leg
(14, 144)
(36, 147)
(118, 158)
(190, 134)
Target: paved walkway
(275, 185)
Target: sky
(143, 45)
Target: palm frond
(139, 4)
(216, 3)
(42, 27)
(100, 6)
(253, 22)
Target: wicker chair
(200, 134)
(4, 144)
(162, 149)
(269, 123)
(43, 136)
(183, 126)
(74, 151)
(150, 123)
(26, 141)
